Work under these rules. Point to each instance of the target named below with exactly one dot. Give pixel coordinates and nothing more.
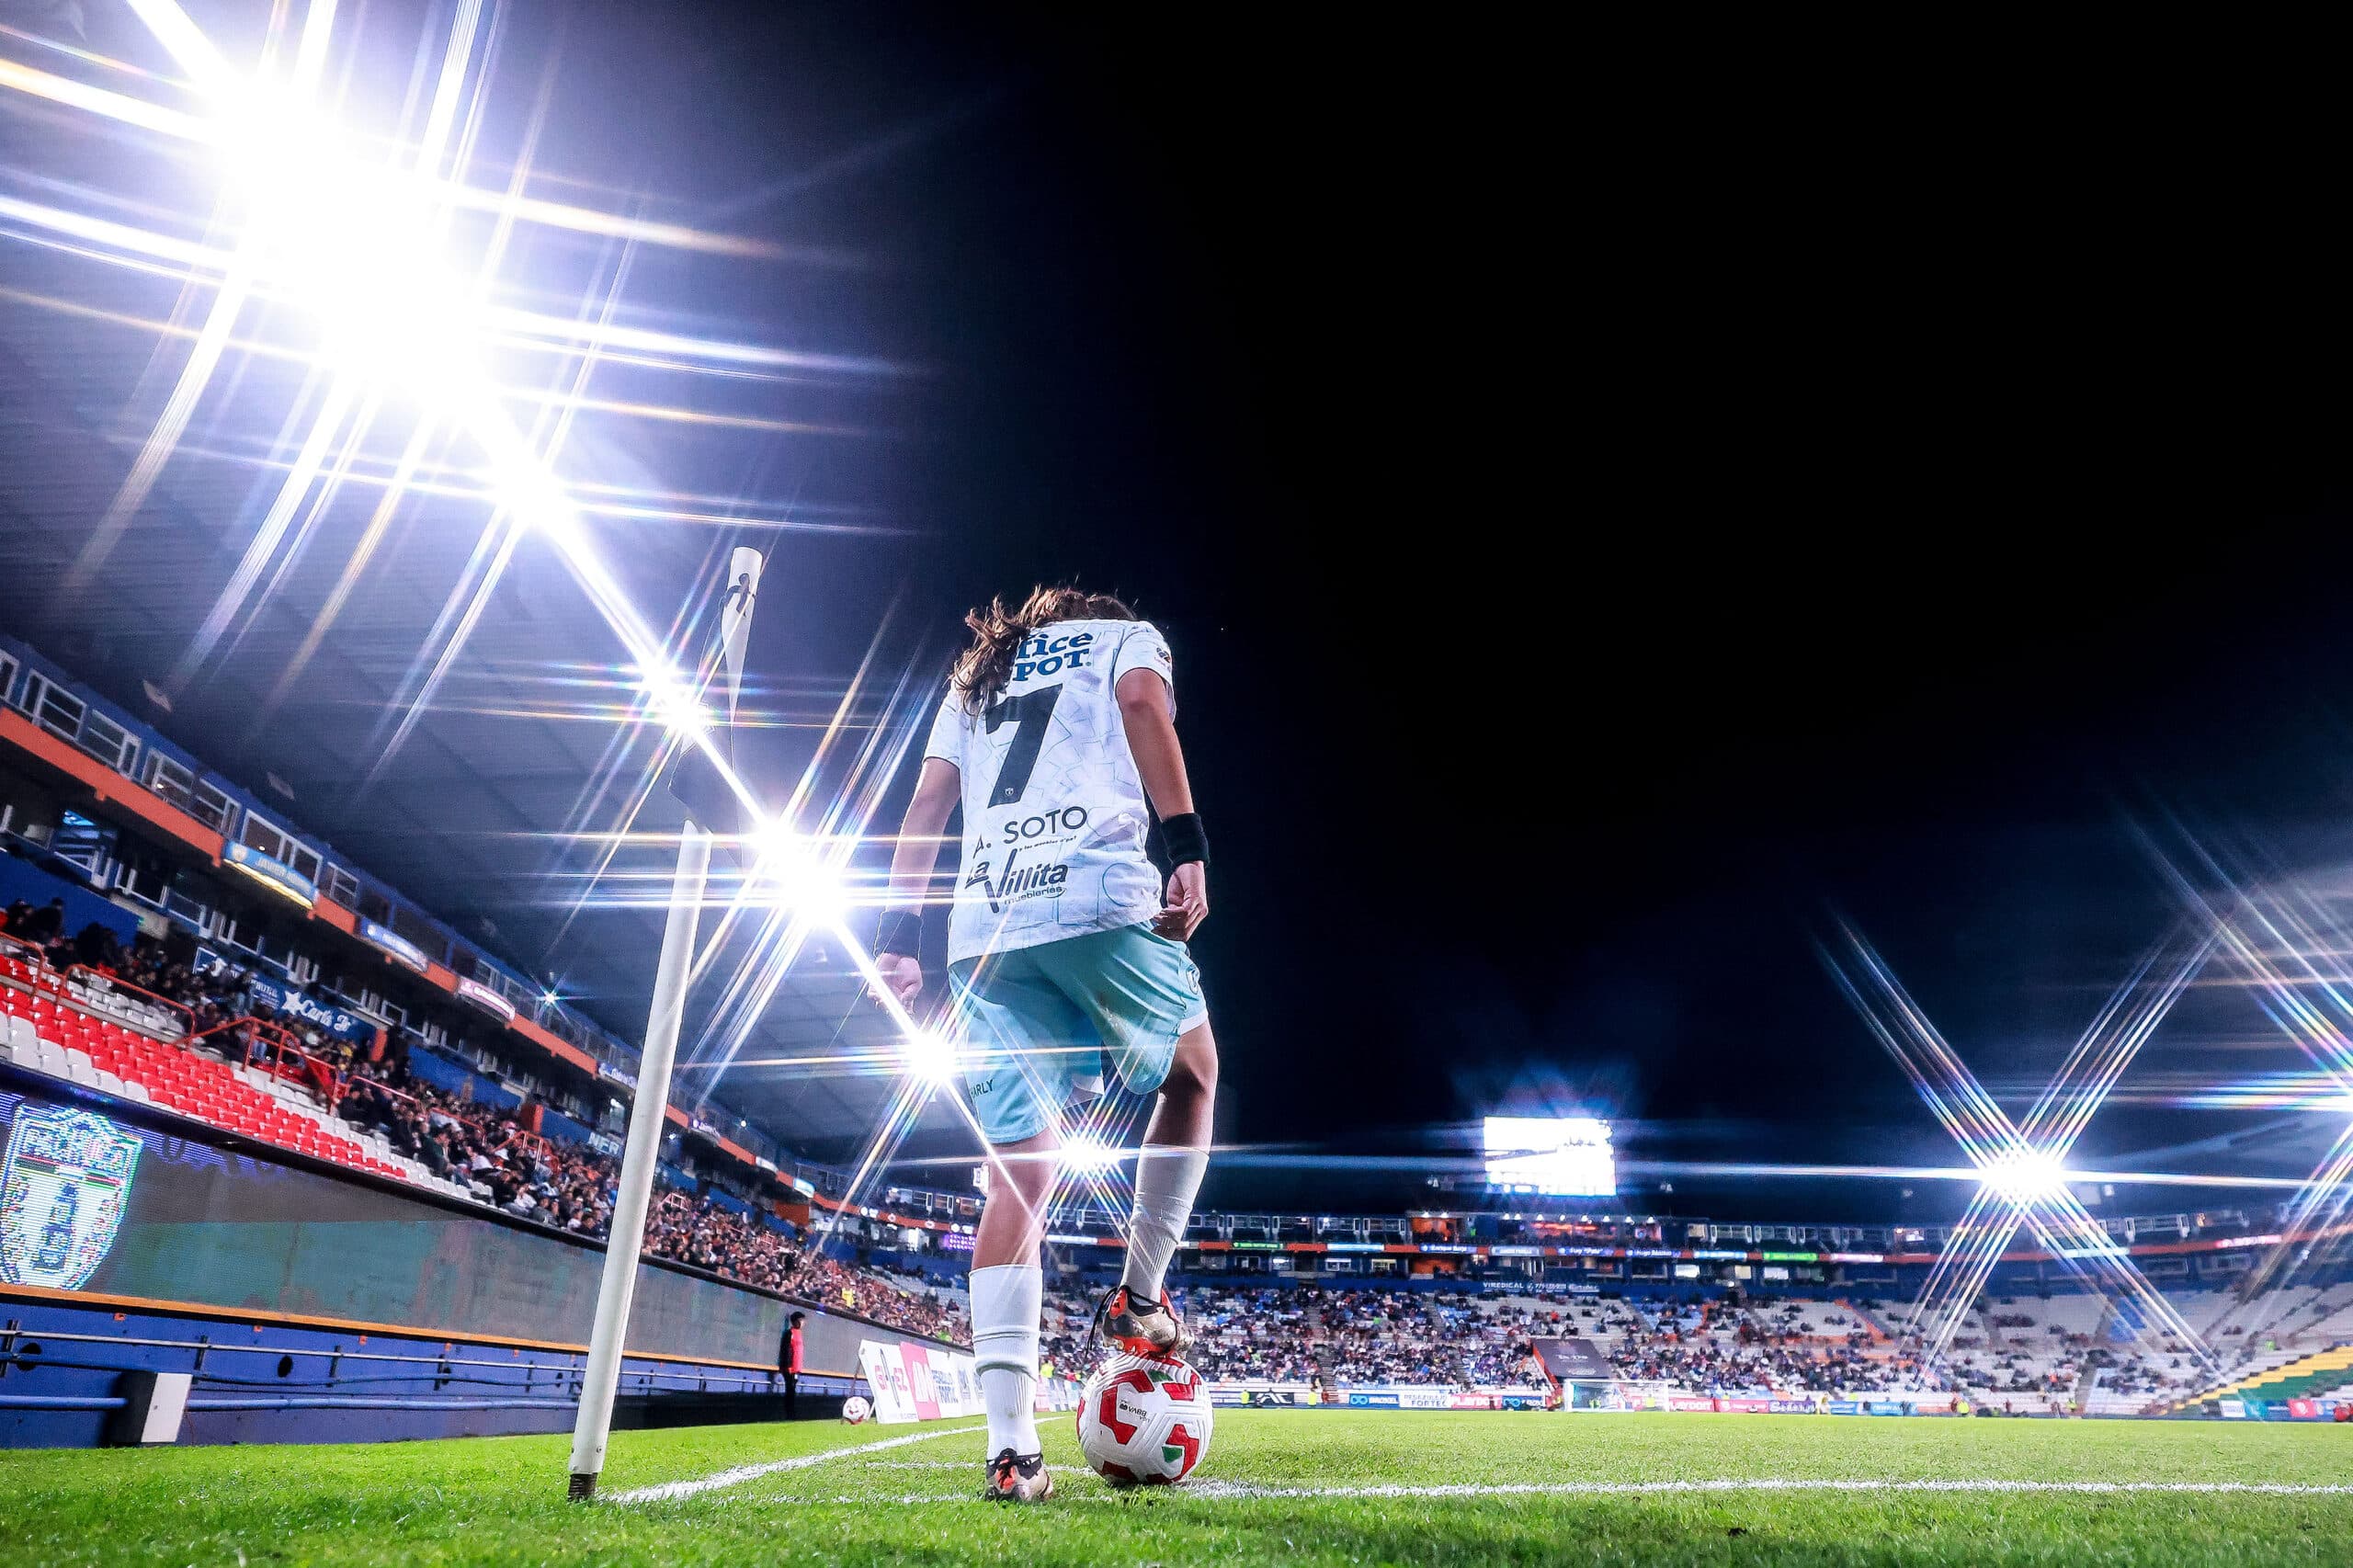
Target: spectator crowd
(1312, 1333)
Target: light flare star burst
(2289, 951)
(2024, 1182)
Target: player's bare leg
(1008, 1290)
(1137, 1315)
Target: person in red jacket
(788, 1363)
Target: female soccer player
(1065, 951)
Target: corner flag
(696, 782)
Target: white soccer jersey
(1055, 813)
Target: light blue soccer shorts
(1040, 1022)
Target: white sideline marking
(741, 1473)
(1242, 1492)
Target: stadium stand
(199, 1047)
(128, 1022)
(2025, 1357)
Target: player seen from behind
(1066, 958)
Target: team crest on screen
(62, 1194)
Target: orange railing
(90, 991)
(101, 985)
(24, 953)
(537, 1142)
(274, 1049)
(382, 1087)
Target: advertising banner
(288, 1003)
(1264, 1398)
(959, 1393)
(393, 946)
(945, 1379)
(495, 1002)
(1372, 1401)
(1472, 1402)
(886, 1381)
(920, 1392)
(1611, 1397)
(1689, 1401)
(2304, 1410)
(273, 874)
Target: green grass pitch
(1279, 1487)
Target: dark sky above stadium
(1614, 505)
(1609, 508)
(1614, 502)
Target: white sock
(1006, 1301)
(1166, 1181)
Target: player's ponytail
(984, 669)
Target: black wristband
(1185, 839)
(901, 933)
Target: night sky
(1610, 515)
(1612, 511)
(1616, 503)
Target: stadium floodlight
(674, 708)
(929, 1056)
(788, 872)
(1089, 1155)
(2024, 1177)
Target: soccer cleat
(1141, 1328)
(1019, 1478)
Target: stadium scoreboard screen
(100, 1203)
(1565, 1156)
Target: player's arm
(912, 861)
(1160, 763)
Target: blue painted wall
(22, 879)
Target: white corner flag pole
(626, 1237)
(648, 1113)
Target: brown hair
(986, 667)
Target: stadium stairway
(1869, 1320)
(2298, 1378)
(48, 1036)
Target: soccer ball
(1143, 1421)
(855, 1409)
